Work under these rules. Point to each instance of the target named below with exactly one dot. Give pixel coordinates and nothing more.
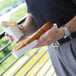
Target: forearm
(29, 25)
(71, 25)
(55, 34)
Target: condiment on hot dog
(10, 24)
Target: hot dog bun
(35, 36)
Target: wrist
(62, 33)
(71, 25)
(26, 32)
(65, 31)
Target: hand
(10, 37)
(51, 36)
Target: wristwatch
(66, 31)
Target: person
(63, 13)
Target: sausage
(35, 36)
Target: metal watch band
(66, 31)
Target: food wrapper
(12, 29)
(23, 50)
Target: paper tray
(24, 49)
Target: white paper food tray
(15, 32)
(24, 49)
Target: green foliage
(7, 3)
(21, 12)
(7, 50)
(17, 15)
(6, 63)
(1, 29)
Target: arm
(71, 25)
(29, 25)
(54, 34)
(28, 28)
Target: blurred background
(10, 10)
(35, 62)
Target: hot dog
(35, 36)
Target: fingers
(40, 45)
(42, 42)
(21, 27)
(20, 39)
(9, 37)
